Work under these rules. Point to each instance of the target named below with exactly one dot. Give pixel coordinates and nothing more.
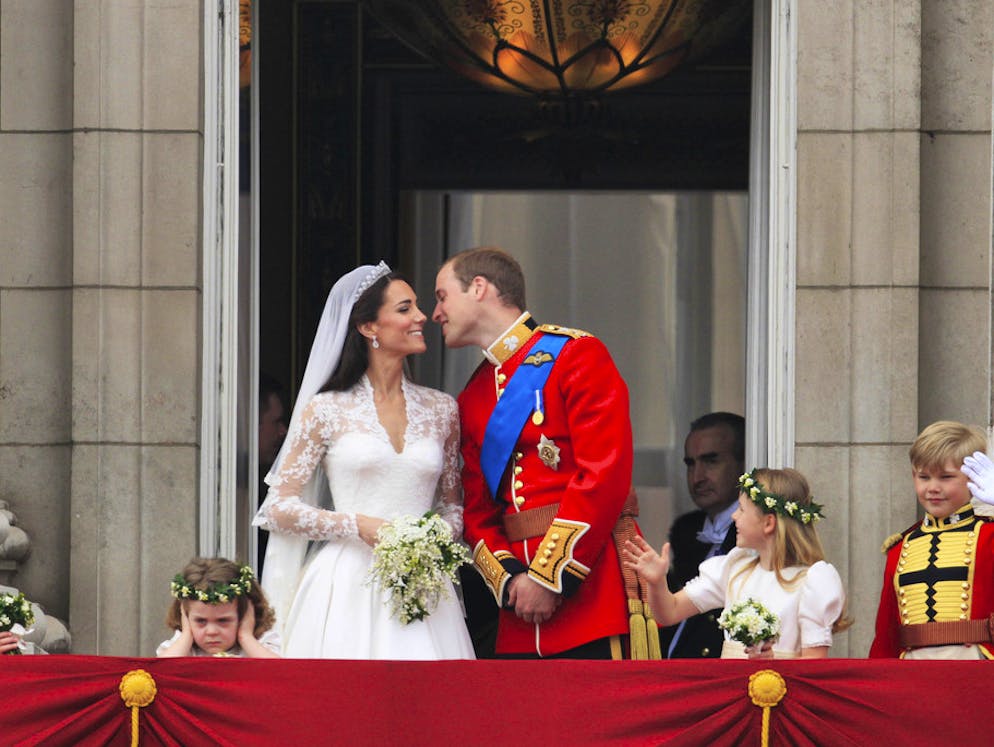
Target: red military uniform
(938, 571)
(579, 457)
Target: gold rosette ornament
(766, 688)
(137, 691)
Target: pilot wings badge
(538, 358)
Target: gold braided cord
(637, 631)
(652, 635)
(766, 689)
(137, 690)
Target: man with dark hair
(714, 453)
(547, 451)
(272, 431)
(272, 421)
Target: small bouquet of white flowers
(416, 559)
(749, 622)
(15, 615)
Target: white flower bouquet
(749, 622)
(15, 615)
(416, 560)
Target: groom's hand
(532, 602)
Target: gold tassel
(636, 630)
(655, 650)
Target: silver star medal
(548, 452)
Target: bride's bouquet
(749, 622)
(16, 615)
(416, 560)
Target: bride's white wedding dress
(336, 612)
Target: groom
(547, 446)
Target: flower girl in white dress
(386, 448)
(778, 561)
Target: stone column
(859, 93)
(135, 314)
(36, 287)
(954, 317)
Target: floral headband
(771, 503)
(216, 593)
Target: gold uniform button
(964, 606)
(964, 596)
(518, 470)
(518, 500)
(547, 553)
(962, 617)
(501, 378)
(518, 455)
(543, 561)
(518, 484)
(555, 536)
(705, 651)
(966, 585)
(551, 545)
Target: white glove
(979, 470)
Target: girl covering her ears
(219, 610)
(778, 561)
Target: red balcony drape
(74, 700)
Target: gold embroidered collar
(511, 340)
(958, 517)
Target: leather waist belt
(947, 633)
(532, 522)
(535, 522)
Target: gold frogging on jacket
(946, 599)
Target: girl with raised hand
(778, 561)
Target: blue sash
(514, 407)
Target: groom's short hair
(497, 266)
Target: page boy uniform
(547, 447)
(938, 590)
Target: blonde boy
(938, 591)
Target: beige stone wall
(893, 245)
(36, 288)
(100, 153)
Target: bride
(385, 447)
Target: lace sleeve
(449, 495)
(283, 510)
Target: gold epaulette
(557, 330)
(891, 541)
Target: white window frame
(772, 268)
(770, 344)
(219, 318)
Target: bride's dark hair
(355, 355)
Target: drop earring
(376, 343)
